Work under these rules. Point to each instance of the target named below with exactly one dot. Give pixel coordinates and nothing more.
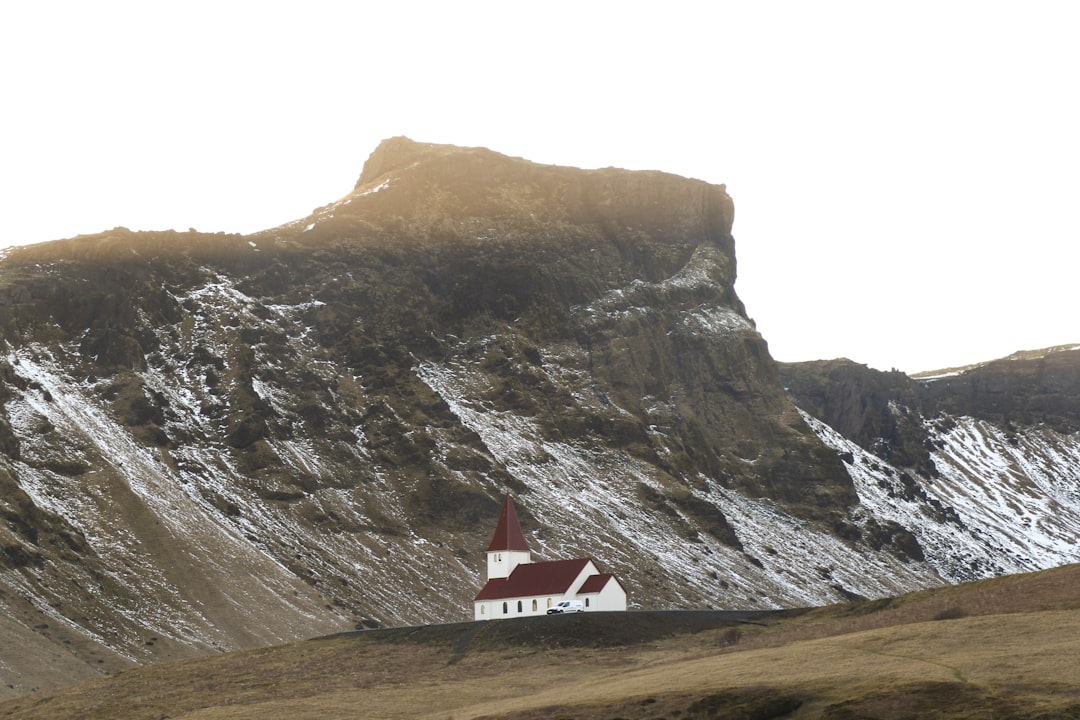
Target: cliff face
(887, 413)
(215, 441)
(863, 405)
(626, 277)
(1027, 388)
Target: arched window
(586, 602)
(504, 609)
(483, 609)
(519, 606)
(550, 602)
(534, 604)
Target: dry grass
(1004, 648)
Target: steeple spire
(508, 535)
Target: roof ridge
(551, 578)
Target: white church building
(516, 586)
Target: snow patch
(997, 506)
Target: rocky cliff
(981, 464)
(214, 441)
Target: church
(517, 587)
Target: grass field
(1004, 648)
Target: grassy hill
(1004, 648)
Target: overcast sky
(906, 175)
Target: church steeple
(508, 547)
(508, 535)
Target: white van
(566, 606)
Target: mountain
(211, 442)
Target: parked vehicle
(566, 606)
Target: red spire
(508, 532)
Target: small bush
(951, 613)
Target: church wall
(611, 598)
(493, 609)
(587, 571)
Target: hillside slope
(213, 442)
(990, 649)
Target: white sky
(906, 174)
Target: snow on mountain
(594, 496)
(1003, 502)
(124, 478)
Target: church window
(534, 604)
(504, 609)
(483, 609)
(519, 606)
(550, 601)
(586, 602)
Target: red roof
(535, 579)
(508, 532)
(595, 583)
